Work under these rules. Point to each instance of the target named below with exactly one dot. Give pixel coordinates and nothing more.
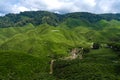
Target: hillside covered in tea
(30, 40)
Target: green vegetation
(99, 64)
(30, 40)
(20, 66)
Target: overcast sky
(60, 6)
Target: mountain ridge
(30, 40)
(54, 19)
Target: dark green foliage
(34, 17)
(92, 18)
(110, 16)
(114, 46)
(44, 36)
(97, 65)
(117, 69)
(40, 17)
(20, 66)
(86, 50)
(96, 45)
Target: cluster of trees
(114, 46)
(82, 70)
(34, 17)
(96, 45)
(89, 17)
(39, 17)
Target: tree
(96, 45)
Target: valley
(31, 39)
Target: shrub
(96, 45)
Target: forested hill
(30, 42)
(54, 19)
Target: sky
(60, 6)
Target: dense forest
(30, 40)
(53, 19)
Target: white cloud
(17, 9)
(105, 6)
(60, 6)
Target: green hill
(20, 66)
(30, 40)
(54, 19)
(98, 65)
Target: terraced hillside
(28, 43)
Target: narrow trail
(51, 66)
(75, 53)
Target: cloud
(60, 6)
